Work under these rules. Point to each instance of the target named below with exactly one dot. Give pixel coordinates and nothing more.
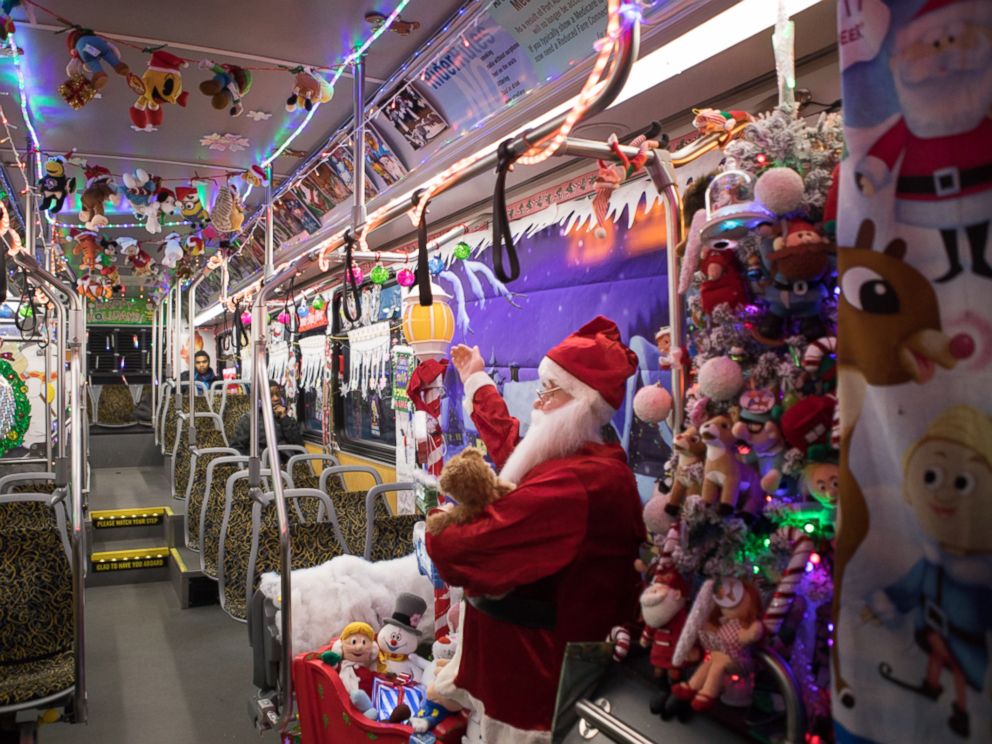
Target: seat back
(302, 475)
(115, 406)
(235, 543)
(212, 509)
(200, 405)
(208, 434)
(197, 487)
(387, 535)
(36, 609)
(349, 506)
(313, 541)
(232, 407)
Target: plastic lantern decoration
(406, 278)
(462, 251)
(379, 275)
(428, 328)
(731, 209)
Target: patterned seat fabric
(304, 477)
(35, 615)
(349, 506)
(206, 436)
(313, 543)
(392, 537)
(21, 515)
(214, 516)
(115, 405)
(196, 490)
(200, 405)
(235, 407)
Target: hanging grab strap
(423, 273)
(349, 276)
(501, 220)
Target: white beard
(551, 435)
(944, 93)
(660, 614)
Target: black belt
(935, 618)
(946, 181)
(528, 613)
(800, 286)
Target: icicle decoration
(278, 361)
(368, 355)
(312, 362)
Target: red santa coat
(728, 287)
(663, 640)
(567, 536)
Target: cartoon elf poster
(913, 575)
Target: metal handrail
(76, 326)
(370, 498)
(610, 726)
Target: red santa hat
(428, 374)
(939, 12)
(185, 191)
(593, 365)
(166, 61)
(94, 173)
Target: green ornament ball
(379, 275)
(318, 303)
(463, 250)
(25, 311)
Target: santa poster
(913, 574)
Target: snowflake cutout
(221, 142)
(258, 115)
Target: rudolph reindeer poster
(913, 572)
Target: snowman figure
(398, 638)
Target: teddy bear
(469, 480)
(99, 189)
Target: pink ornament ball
(652, 404)
(246, 318)
(355, 276)
(283, 318)
(780, 189)
(656, 519)
(405, 278)
(720, 378)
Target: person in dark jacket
(202, 371)
(287, 428)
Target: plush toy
(472, 483)
(190, 207)
(822, 481)
(89, 286)
(88, 52)
(796, 265)
(722, 282)
(724, 475)
(354, 654)
(309, 90)
(99, 189)
(688, 479)
(108, 252)
(54, 186)
(436, 707)
(663, 339)
(7, 26)
(810, 422)
(710, 121)
(135, 258)
(663, 534)
(398, 638)
(86, 246)
(161, 83)
(664, 610)
(228, 214)
(148, 199)
(726, 622)
(758, 428)
(227, 87)
(173, 250)
(194, 245)
(111, 277)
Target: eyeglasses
(545, 393)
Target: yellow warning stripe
(134, 554)
(148, 511)
(179, 560)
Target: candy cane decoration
(620, 638)
(815, 353)
(785, 592)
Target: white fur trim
(549, 368)
(475, 383)
(874, 171)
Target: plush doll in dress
(227, 87)
(726, 622)
(689, 450)
(398, 638)
(469, 480)
(161, 83)
(355, 654)
(725, 477)
(99, 189)
(55, 186)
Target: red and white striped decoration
(620, 638)
(816, 351)
(788, 585)
(442, 603)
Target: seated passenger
(287, 428)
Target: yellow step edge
(109, 556)
(179, 560)
(148, 511)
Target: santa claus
(938, 151)
(552, 561)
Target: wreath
(20, 417)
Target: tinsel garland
(15, 410)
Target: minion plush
(163, 83)
(55, 186)
(191, 208)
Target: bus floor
(157, 674)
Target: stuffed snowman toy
(398, 638)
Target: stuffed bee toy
(162, 83)
(55, 186)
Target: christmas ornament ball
(652, 404)
(379, 275)
(463, 250)
(656, 519)
(720, 378)
(246, 318)
(318, 303)
(405, 278)
(435, 266)
(283, 317)
(780, 189)
(356, 275)
(303, 311)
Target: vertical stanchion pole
(358, 214)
